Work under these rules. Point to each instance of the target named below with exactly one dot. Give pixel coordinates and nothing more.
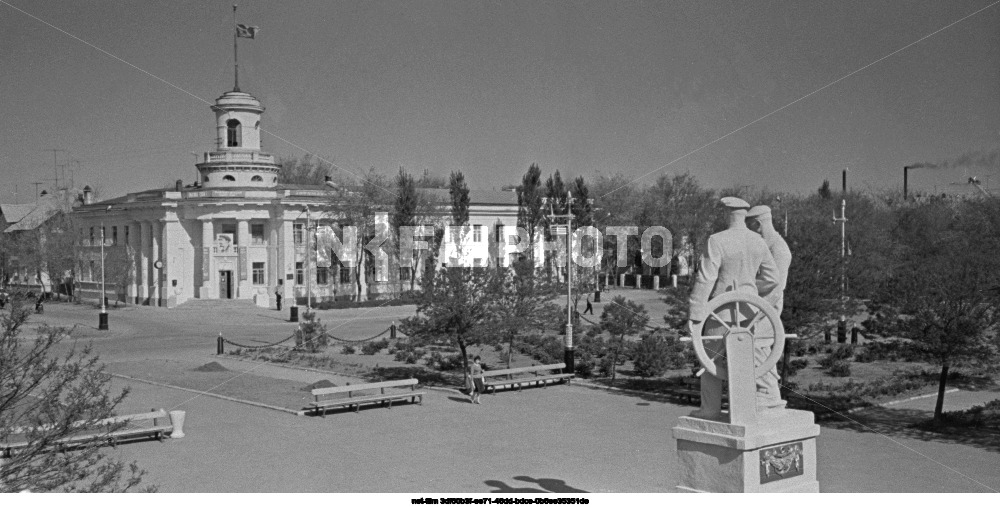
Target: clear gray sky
(490, 87)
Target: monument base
(775, 455)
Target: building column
(154, 255)
(167, 298)
(135, 262)
(243, 278)
(145, 252)
(286, 251)
(274, 272)
(207, 288)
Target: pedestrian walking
(590, 307)
(277, 298)
(478, 382)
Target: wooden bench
(541, 375)
(331, 397)
(132, 427)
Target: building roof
(40, 213)
(13, 213)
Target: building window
(477, 262)
(229, 177)
(298, 233)
(404, 274)
(257, 178)
(204, 178)
(234, 133)
(104, 235)
(322, 275)
(258, 273)
(231, 229)
(91, 236)
(257, 234)
(299, 275)
(477, 233)
(345, 274)
(114, 234)
(90, 274)
(126, 234)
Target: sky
(775, 95)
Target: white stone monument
(752, 446)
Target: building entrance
(225, 285)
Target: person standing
(736, 259)
(277, 298)
(478, 382)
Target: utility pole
(842, 324)
(568, 355)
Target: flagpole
(236, 60)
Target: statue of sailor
(735, 259)
(759, 220)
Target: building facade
(238, 233)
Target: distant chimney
(906, 177)
(88, 195)
(179, 185)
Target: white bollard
(177, 420)
(621, 281)
(656, 282)
(673, 281)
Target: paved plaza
(575, 438)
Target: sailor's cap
(735, 203)
(759, 211)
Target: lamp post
(102, 319)
(308, 258)
(568, 355)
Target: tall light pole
(568, 356)
(308, 258)
(842, 324)
(102, 320)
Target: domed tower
(237, 160)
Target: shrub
(840, 353)
(441, 362)
(888, 350)
(794, 366)
(659, 352)
(373, 347)
(348, 349)
(840, 368)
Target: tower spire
(236, 60)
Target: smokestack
(88, 195)
(906, 179)
(179, 185)
(843, 183)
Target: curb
(621, 389)
(904, 400)
(211, 395)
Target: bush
(794, 366)
(659, 352)
(441, 362)
(348, 349)
(544, 349)
(840, 368)
(840, 353)
(373, 347)
(889, 350)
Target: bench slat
(365, 399)
(525, 369)
(363, 387)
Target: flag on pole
(247, 32)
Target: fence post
(392, 330)
(854, 336)
(219, 345)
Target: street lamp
(102, 320)
(568, 356)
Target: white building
(237, 233)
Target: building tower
(237, 160)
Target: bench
(132, 427)
(541, 375)
(326, 398)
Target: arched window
(234, 133)
(228, 177)
(257, 178)
(205, 178)
(274, 179)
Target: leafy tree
(305, 170)
(459, 192)
(660, 351)
(404, 213)
(583, 214)
(46, 397)
(519, 302)
(453, 306)
(824, 191)
(530, 213)
(622, 317)
(941, 289)
(311, 334)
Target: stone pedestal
(777, 454)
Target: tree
(47, 396)
(305, 170)
(519, 302)
(941, 289)
(404, 213)
(459, 193)
(530, 213)
(453, 306)
(824, 190)
(365, 206)
(622, 317)
(583, 214)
